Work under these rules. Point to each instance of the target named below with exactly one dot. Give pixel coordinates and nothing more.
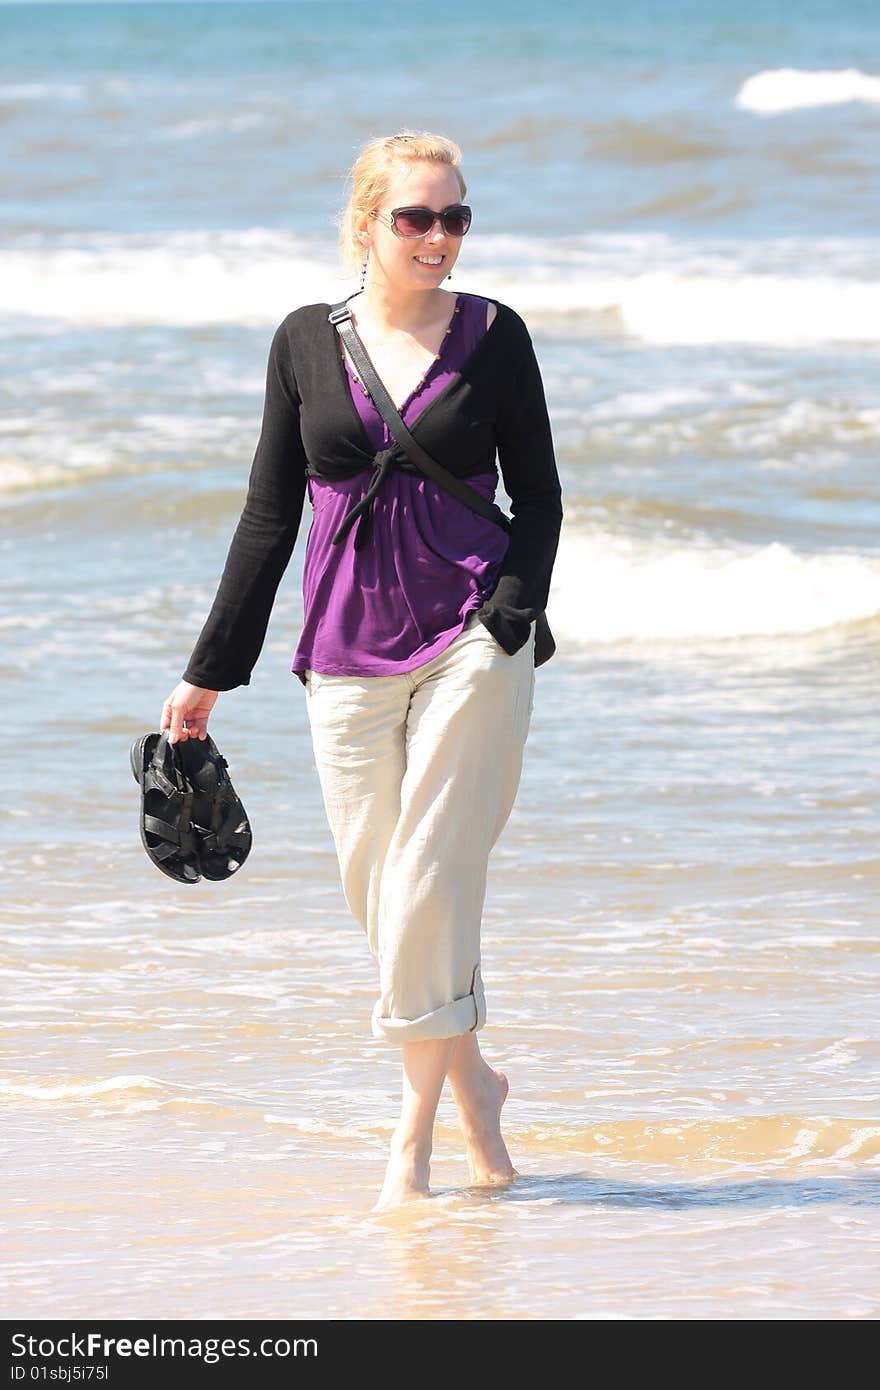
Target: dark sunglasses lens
(414, 221)
(456, 223)
(418, 221)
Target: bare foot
(406, 1177)
(480, 1115)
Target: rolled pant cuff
(464, 1015)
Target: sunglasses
(412, 222)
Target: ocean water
(681, 928)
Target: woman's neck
(387, 308)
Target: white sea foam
(40, 91)
(77, 1090)
(790, 89)
(219, 122)
(46, 92)
(655, 287)
(609, 588)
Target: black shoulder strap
(340, 317)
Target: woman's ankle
(411, 1141)
(471, 1080)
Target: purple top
(429, 560)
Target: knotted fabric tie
(364, 508)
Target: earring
(364, 267)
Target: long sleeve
(531, 480)
(232, 637)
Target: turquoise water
(680, 932)
(154, 117)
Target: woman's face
(394, 259)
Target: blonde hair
(372, 173)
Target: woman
(417, 648)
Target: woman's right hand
(185, 712)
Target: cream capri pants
(419, 772)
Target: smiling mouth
(435, 262)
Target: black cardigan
(310, 424)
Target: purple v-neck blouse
(428, 561)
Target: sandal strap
(226, 810)
(209, 841)
(161, 827)
(164, 851)
(178, 839)
(155, 780)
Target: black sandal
(166, 825)
(219, 819)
